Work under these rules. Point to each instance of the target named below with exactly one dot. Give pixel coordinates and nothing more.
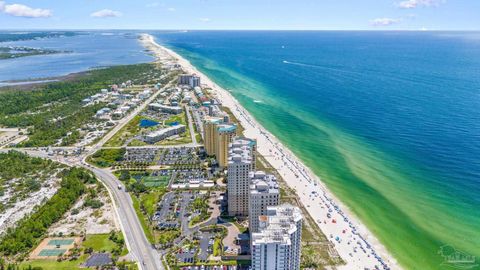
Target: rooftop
(164, 130)
(227, 128)
(277, 226)
(263, 183)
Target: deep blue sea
(389, 120)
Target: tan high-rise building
(224, 136)
(210, 134)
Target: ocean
(390, 121)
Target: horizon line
(272, 30)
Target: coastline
(343, 224)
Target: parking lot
(147, 155)
(173, 156)
(178, 156)
(189, 176)
(167, 215)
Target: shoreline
(343, 223)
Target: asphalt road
(140, 248)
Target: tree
(125, 176)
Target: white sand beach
(357, 246)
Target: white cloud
(205, 19)
(19, 10)
(106, 13)
(409, 4)
(384, 21)
(171, 9)
(154, 4)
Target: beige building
(209, 136)
(217, 137)
(225, 134)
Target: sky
(242, 14)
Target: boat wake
(301, 64)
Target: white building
(278, 244)
(145, 94)
(164, 108)
(102, 112)
(86, 101)
(264, 192)
(240, 163)
(117, 114)
(161, 134)
(124, 109)
(96, 97)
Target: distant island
(22, 36)
(16, 52)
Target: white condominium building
(264, 192)
(278, 244)
(164, 108)
(161, 134)
(240, 163)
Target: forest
(31, 229)
(54, 110)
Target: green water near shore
(408, 206)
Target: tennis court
(52, 247)
(60, 242)
(156, 181)
(51, 252)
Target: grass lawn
(106, 157)
(151, 199)
(130, 129)
(217, 247)
(184, 137)
(180, 118)
(143, 220)
(136, 142)
(167, 236)
(99, 242)
(54, 265)
(234, 221)
(65, 265)
(198, 137)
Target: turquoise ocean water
(389, 120)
